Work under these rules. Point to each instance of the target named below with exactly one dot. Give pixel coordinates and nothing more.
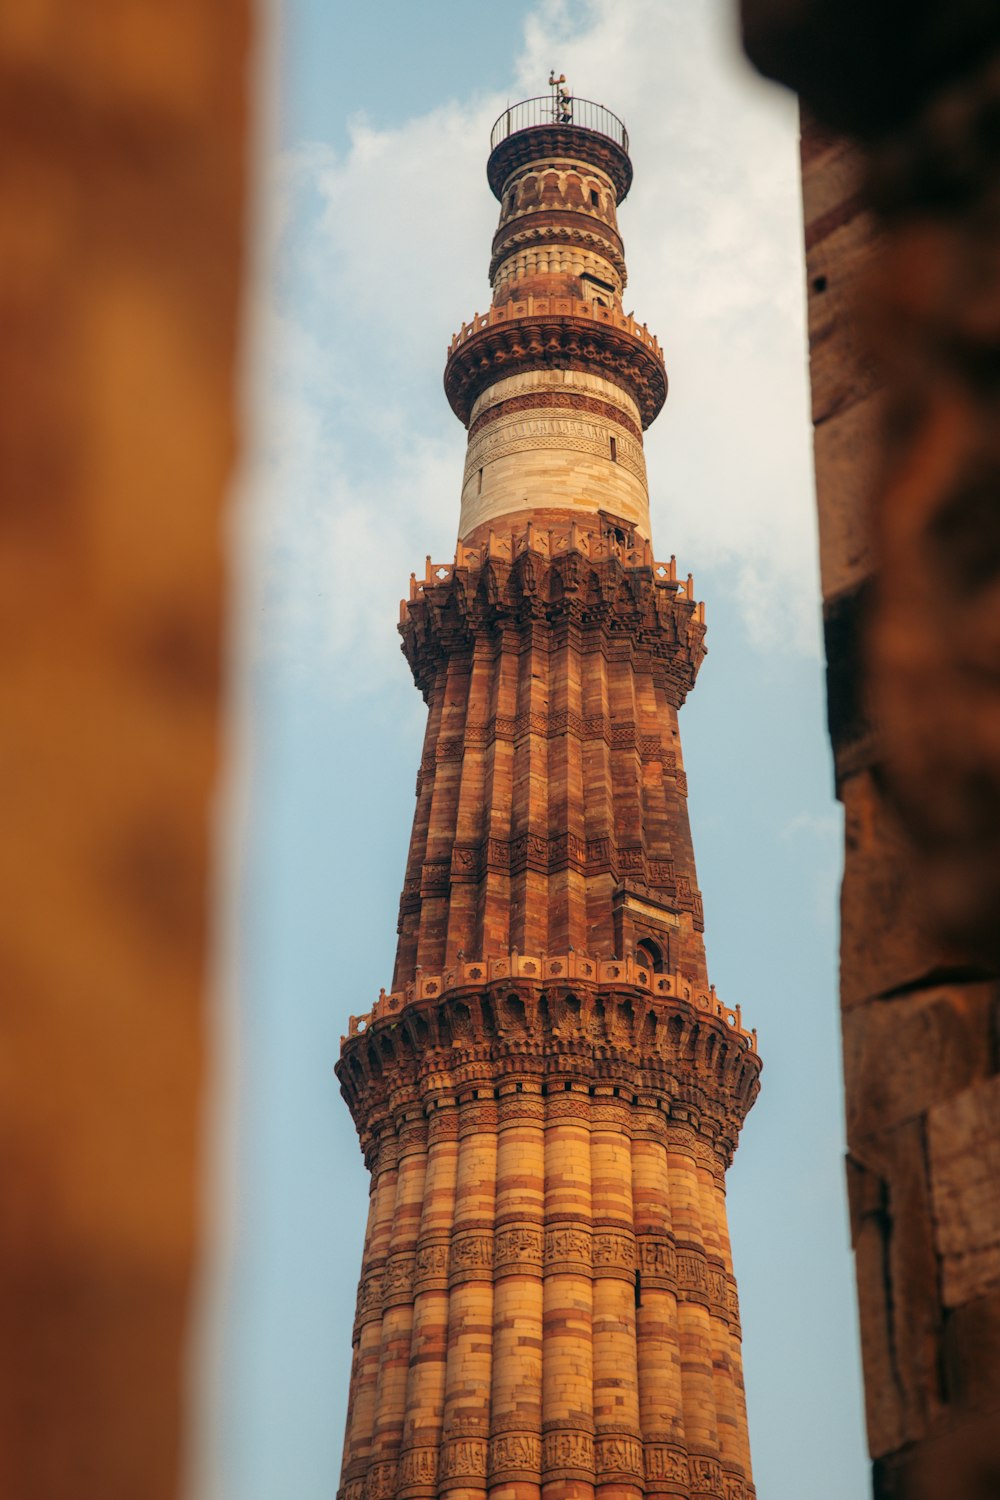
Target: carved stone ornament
(663, 1462)
(397, 1285)
(369, 1305)
(568, 1454)
(692, 1275)
(567, 1248)
(613, 1251)
(618, 1455)
(517, 1246)
(549, 142)
(431, 1265)
(734, 1485)
(418, 1466)
(463, 1458)
(515, 1454)
(529, 342)
(381, 1481)
(706, 1476)
(471, 1257)
(657, 1260)
(717, 1289)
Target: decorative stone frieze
(568, 1454)
(463, 1458)
(430, 1269)
(515, 1456)
(666, 1469)
(568, 1249)
(518, 1248)
(601, 600)
(531, 334)
(418, 1471)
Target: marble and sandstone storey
(550, 1093)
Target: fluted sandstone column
(425, 1393)
(516, 1400)
(697, 1379)
(617, 1440)
(568, 1348)
(730, 1339)
(397, 1309)
(361, 1421)
(731, 1454)
(661, 1398)
(462, 1473)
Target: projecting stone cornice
(554, 228)
(558, 1017)
(616, 607)
(555, 333)
(545, 142)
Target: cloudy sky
(374, 226)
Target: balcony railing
(571, 968)
(547, 110)
(572, 307)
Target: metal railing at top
(547, 110)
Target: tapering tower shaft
(550, 1094)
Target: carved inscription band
(554, 400)
(552, 431)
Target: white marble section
(559, 456)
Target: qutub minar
(550, 1095)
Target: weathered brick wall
(121, 184)
(902, 218)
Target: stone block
(831, 171)
(971, 1356)
(839, 248)
(885, 941)
(845, 457)
(960, 1462)
(897, 1275)
(964, 1149)
(938, 1041)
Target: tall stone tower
(550, 1094)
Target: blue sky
(375, 222)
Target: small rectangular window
(614, 451)
(595, 199)
(479, 489)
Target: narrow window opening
(638, 1288)
(595, 199)
(819, 283)
(650, 955)
(479, 489)
(614, 454)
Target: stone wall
(900, 156)
(121, 184)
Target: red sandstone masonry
(557, 1254)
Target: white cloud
(823, 827)
(381, 252)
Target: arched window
(650, 955)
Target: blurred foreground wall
(901, 186)
(121, 218)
